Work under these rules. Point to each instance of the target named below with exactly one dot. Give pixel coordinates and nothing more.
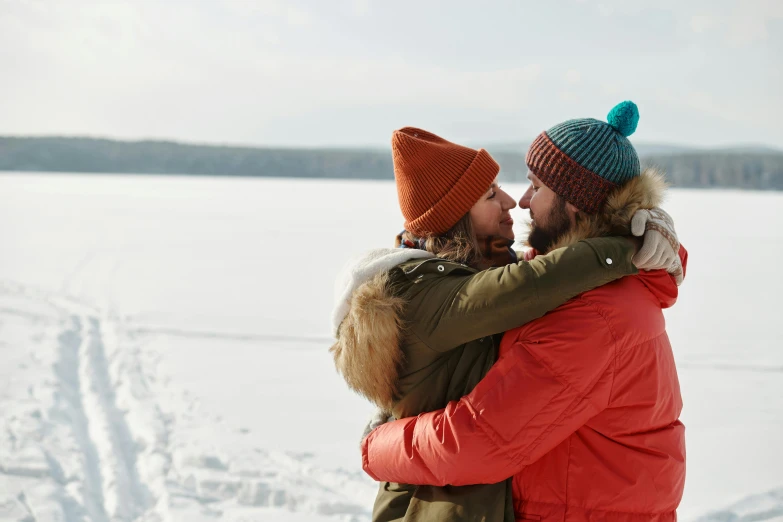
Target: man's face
(550, 215)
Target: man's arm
(554, 377)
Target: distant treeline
(760, 169)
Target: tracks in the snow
(112, 489)
(125, 497)
(70, 386)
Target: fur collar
(367, 352)
(361, 270)
(367, 321)
(614, 219)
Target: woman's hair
(458, 244)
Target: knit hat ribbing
(437, 181)
(583, 160)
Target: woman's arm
(450, 311)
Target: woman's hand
(379, 417)
(661, 246)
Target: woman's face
(491, 214)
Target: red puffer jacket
(581, 409)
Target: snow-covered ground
(164, 344)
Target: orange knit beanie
(437, 181)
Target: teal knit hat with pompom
(583, 160)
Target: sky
(348, 72)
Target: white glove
(661, 247)
(378, 418)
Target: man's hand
(661, 246)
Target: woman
(419, 326)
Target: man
(583, 404)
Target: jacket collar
(614, 219)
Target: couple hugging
(536, 386)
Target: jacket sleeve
(555, 376)
(660, 282)
(453, 310)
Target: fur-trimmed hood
(367, 321)
(614, 219)
(367, 318)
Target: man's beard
(543, 234)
